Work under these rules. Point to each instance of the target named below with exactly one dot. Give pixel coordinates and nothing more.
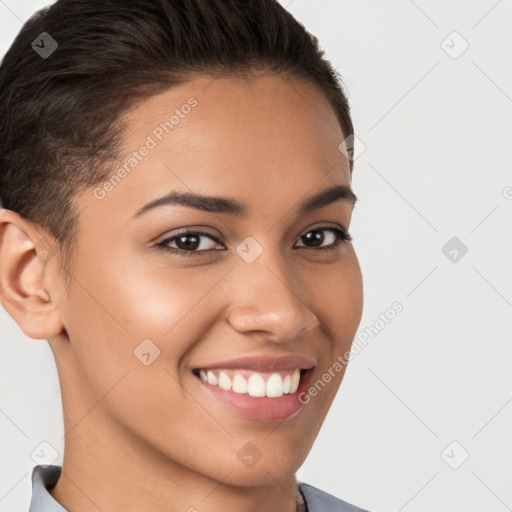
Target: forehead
(239, 113)
(249, 138)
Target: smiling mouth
(256, 384)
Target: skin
(147, 437)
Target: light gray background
(436, 128)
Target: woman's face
(255, 290)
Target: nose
(266, 298)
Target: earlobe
(24, 256)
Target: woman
(176, 192)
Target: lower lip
(261, 408)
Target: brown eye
(189, 243)
(316, 238)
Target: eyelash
(341, 237)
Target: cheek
(165, 300)
(129, 301)
(335, 294)
(347, 303)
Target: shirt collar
(44, 477)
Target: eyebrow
(233, 207)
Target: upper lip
(264, 363)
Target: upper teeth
(256, 384)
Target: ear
(25, 287)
